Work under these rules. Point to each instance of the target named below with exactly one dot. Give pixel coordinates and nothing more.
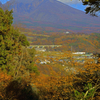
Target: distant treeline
(76, 41)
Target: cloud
(71, 1)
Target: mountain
(52, 13)
(0, 4)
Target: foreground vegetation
(21, 80)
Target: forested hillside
(78, 41)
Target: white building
(40, 49)
(78, 53)
(45, 62)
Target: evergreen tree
(12, 55)
(93, 6)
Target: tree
(9, 46)
(13, 51)
(23, 40)
(93, 6)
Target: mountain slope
(53, 13)
(0, 4)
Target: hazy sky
(3, 1)
(73, 3)
(70, 1)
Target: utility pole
(71, 48)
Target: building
(40, 49)
(79, 53)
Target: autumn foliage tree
(4, 81)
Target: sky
(3, 1)
(73, 3)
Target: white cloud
(71, 1)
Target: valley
(49, 51)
